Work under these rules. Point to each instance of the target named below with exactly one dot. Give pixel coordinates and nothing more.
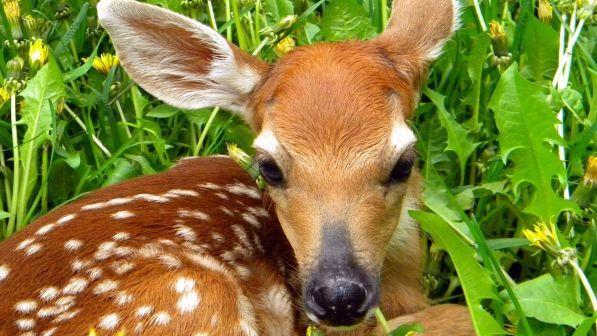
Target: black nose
(338, 302)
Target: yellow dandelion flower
(545, 11)
(38, 54)
(105, 63)
(544, 237)
(591, 173)
(499, 39)
(285, 46)
(4, 96)
(12, 10)
(92, 332)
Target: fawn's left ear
(180, 61)
(416, 33)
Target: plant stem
(479, 15)
(212, 16)
(384, 13)
(123, 118)
(585, 283)
(382, 320)
(205, 130)
(16, 170)
(97, 141)
(228, 17)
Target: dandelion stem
(205, 130)
(587, 286)
(97, 141)
(480, 15)
(16, 173)
(382, 320)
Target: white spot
(48, 294)
(4, 272)
(73, 245)
(150, 250)
(122, 267)
(123, 214)
(105, 286)
(278, 300)
(106, 246)
(75, 286)
(217, 237)
(170, 261)
(79, 265)
(209, 185)
(119, 201)
(66, 316)
(25, 243)
(242, 236)
(168, 242)
(188, 302)
(152, 198)
(242, 189)
(123, 251)
(160, 318)
(185, 232)
(123, 298)
(183, 285)
(222, 195)
(66, 301)
(47, 312)
(49, 332)
(109, 322)
(104, 251)
(120, 236)
(26, 306)
(267, 142)
(28, 333)
(25, 324)
(94, 273)
(226, 211)
(144, 311)
(65, 219)
(93, 206)
(32, 249)
(45, 229)
(181, 192)
(194, 214)
(251, 219)
(258, 211)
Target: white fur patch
(267, 142)
(109, 322)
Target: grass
(506, 130)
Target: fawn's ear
(416, 33)
(180, 61)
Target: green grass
(490, 151)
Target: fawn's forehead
(336, 100)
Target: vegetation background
(506, 132)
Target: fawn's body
(197, 251)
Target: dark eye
(270, 172)
(403, 167)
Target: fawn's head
(332, 138)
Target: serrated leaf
(550, 300)
(540, 43)
(526, 126)
(346, 19)
(458, 140)
(475, 280)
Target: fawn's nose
(338, 301)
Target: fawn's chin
(369, 319)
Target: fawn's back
(168, 254)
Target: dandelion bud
(545, 11)
(585, 194)
(565, 6)
(35, 26)
(38, 55)
(13, 14)
(586, 10)
(284, 46)
(499, 39)
(282, 25)
(14, 68)
(244, 160)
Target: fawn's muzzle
(339, 292)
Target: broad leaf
(277, 10)
(541, 43)
(458, 141)
(475, 280)
(549, 299)
(526, 125)
(346, 19)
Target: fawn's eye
(270, 172)
(403, 167)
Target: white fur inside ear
(436, 52)
(165, 52)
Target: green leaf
(163, 111)
(526, 126)
(346, 19)
(540, 43)
(550, 300)
(475, 280)
(584, 328)
(458, 140)
(277, 9)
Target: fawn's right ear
(180, 61)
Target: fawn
(199, 250)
